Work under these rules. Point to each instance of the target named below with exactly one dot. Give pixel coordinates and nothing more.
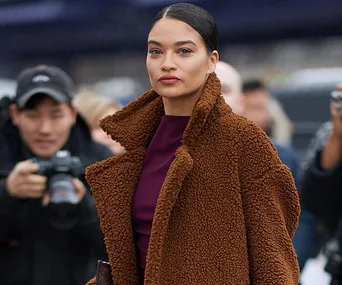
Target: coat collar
(135, 124)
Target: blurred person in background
(260, 108)
(265, 111)
(50, 232)
(93, 107)
(231, 84)
(281, 129)
(322, 183)
(165, 210)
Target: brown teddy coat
(228, 208)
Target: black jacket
(32, 251)
(321, 191)
(321, 194)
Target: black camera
(60, 170)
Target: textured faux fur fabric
(228, 208)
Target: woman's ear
(213, 59)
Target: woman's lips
(167, 80)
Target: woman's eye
(155, 51)
(184, 51)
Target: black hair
(252, 85)
(34, 101)
(196, 17)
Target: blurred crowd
(46, 114)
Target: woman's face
(177, 62)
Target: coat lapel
(113, 181)
(179, 169)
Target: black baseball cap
(44, 79)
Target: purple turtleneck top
(158, 159)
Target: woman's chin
(170, 94)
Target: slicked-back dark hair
(196, 17)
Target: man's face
(231, 86)
(232, 96)
(256, 108)
(46, 127)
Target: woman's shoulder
(249, 141)
(242, 129)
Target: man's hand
(79, 188)
(22, 183)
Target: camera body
(60, 170)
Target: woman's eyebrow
(179, 43)
(155, 43)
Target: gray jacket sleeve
(316, 145)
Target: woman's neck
(181, 106)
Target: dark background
(61, 29)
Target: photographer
(322, 180)
(49, 225)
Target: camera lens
(63, 201)
(61, 189)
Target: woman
(200, 196)
(94, 107)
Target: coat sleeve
(271, 210)
(321, 190)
